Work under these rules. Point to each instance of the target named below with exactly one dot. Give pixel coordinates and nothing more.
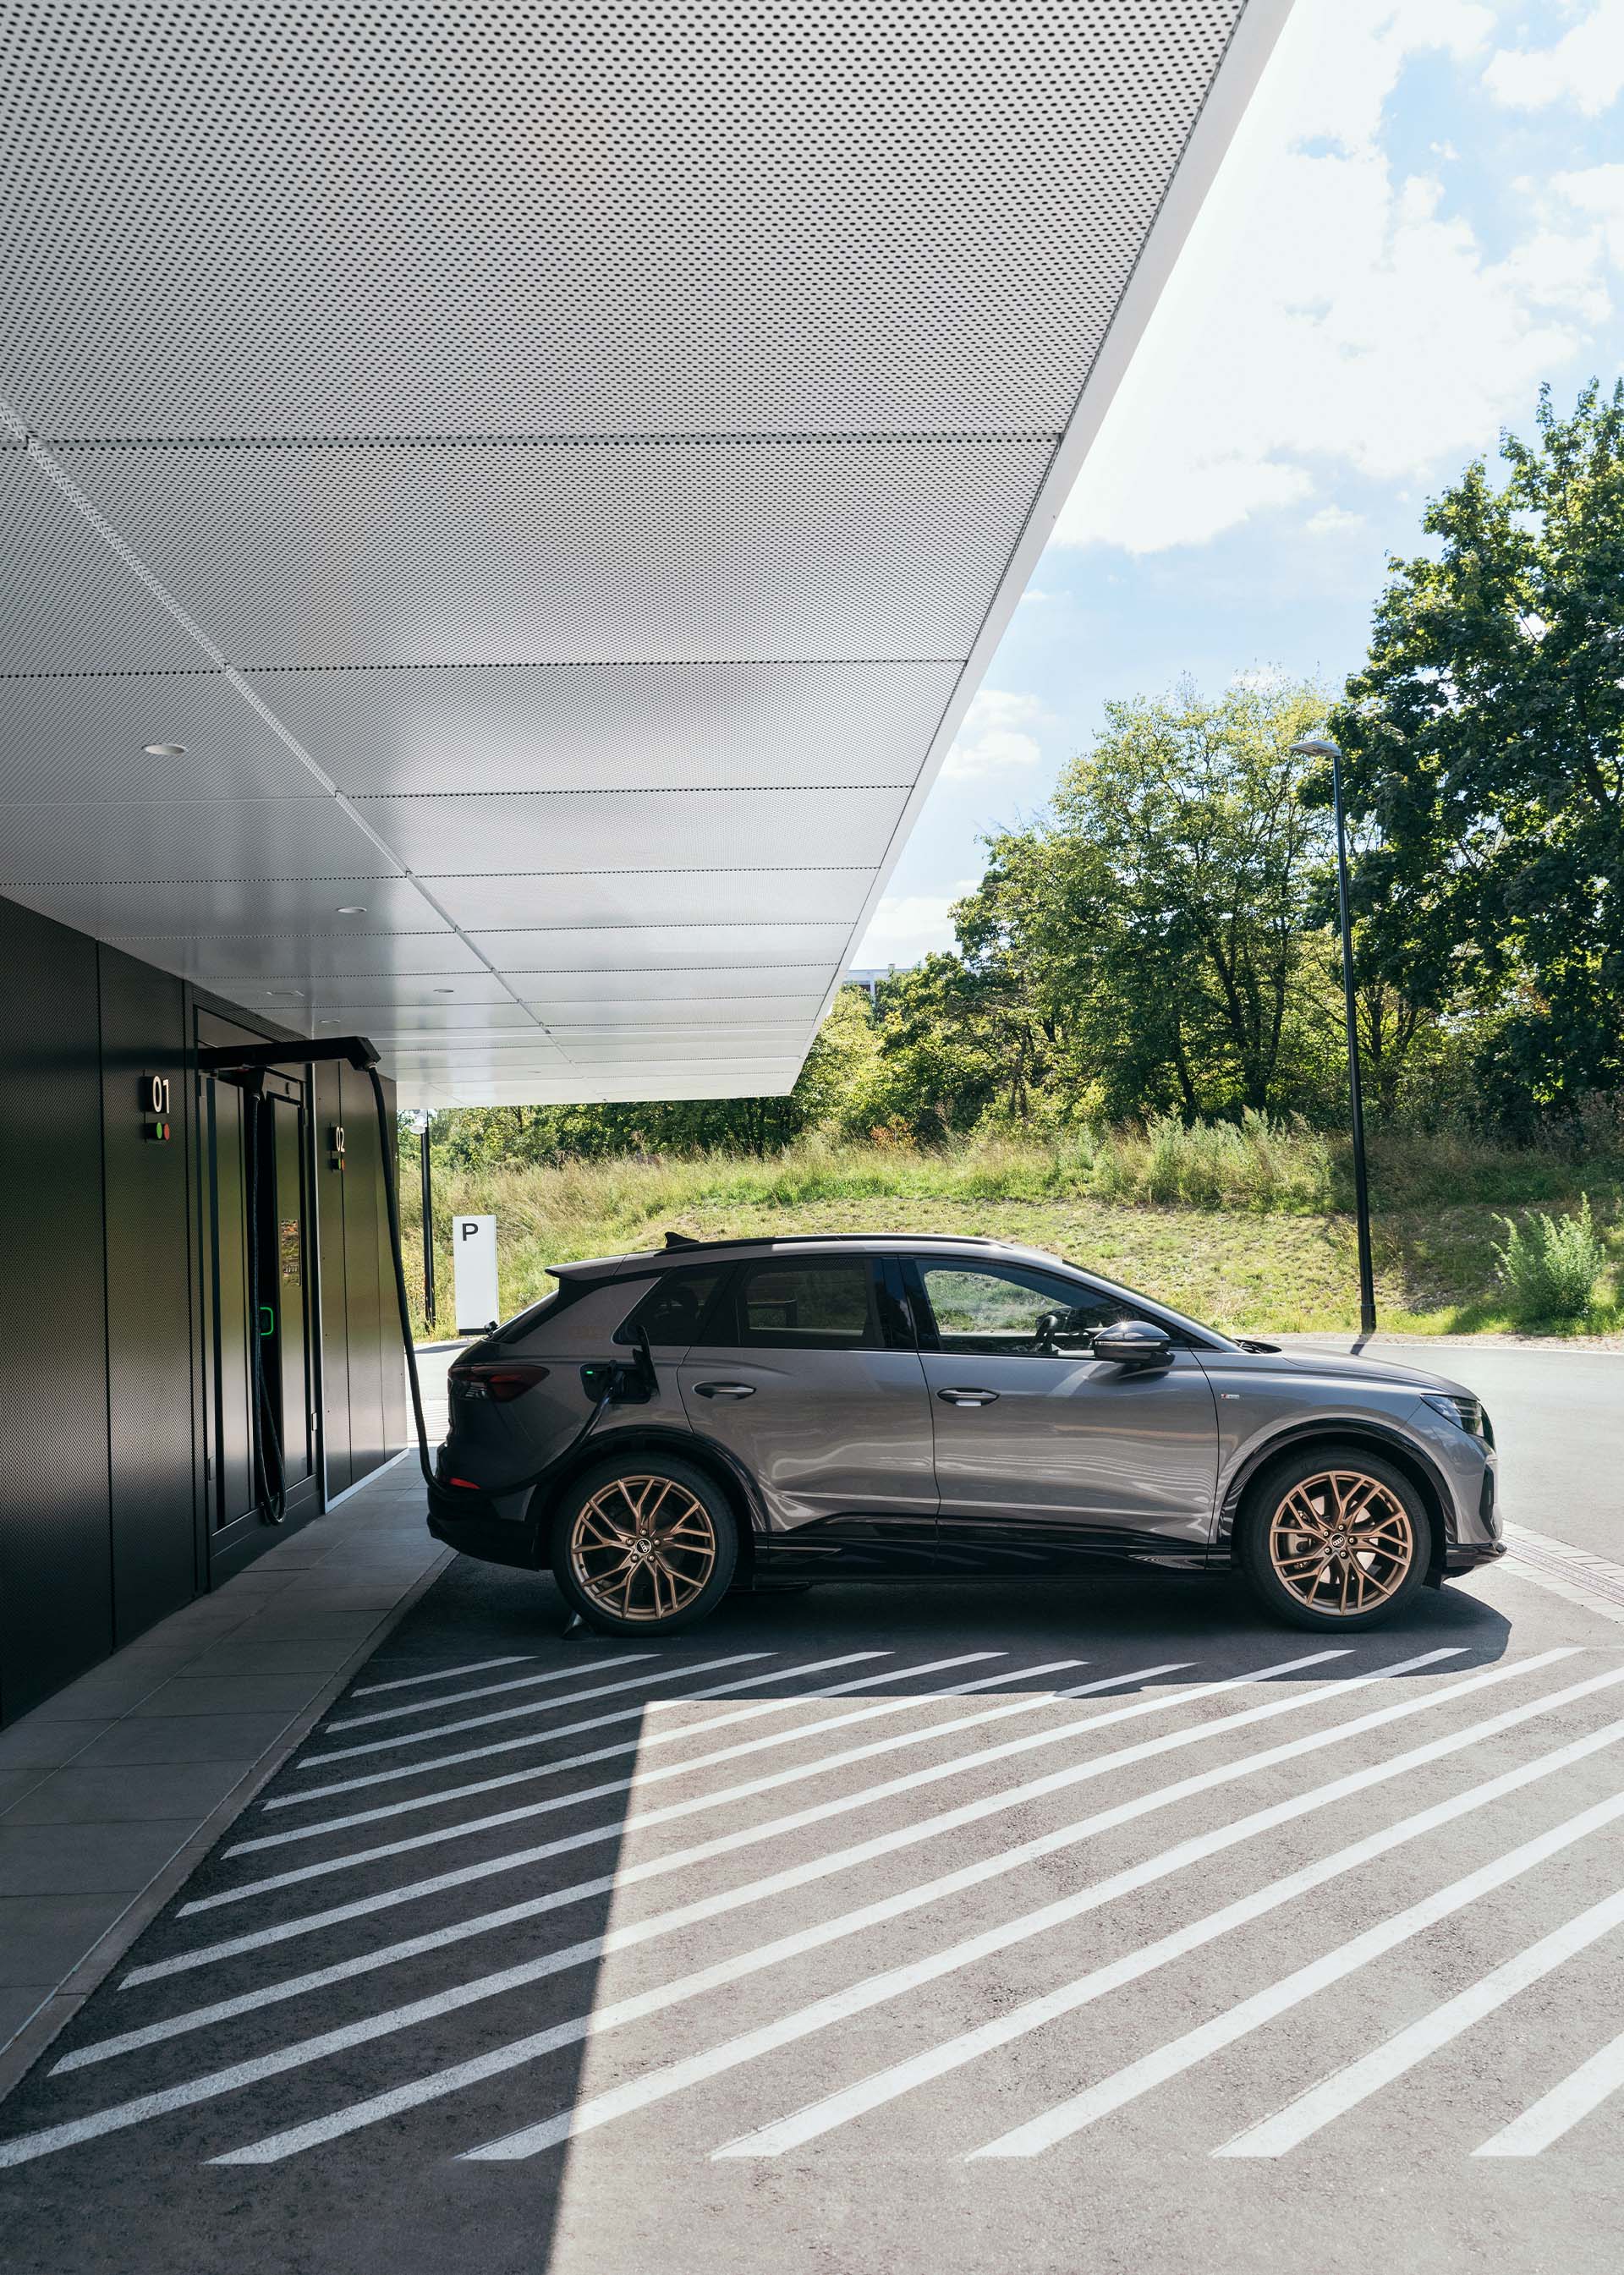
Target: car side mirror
(1134, 1342)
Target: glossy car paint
(1071, 1446)
(850, 1461)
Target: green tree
(1484, 741)
(1164, 906)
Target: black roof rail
(680, 1240)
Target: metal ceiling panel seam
(598, 451)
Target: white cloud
(1585, 67)
(1333, 521)
(907, 927)
(1599, 191)
(1327, 312)
(994, 738)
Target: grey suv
(750, 1413)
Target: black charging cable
(237, 1059)
(612, 1384)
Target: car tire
(1333, 1537)
(643, 1545)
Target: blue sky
(1421, 218)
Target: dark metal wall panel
(149, 1295)
(333, 1333)
(55, 1582)
(363, 1207)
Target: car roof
(681, 1249)
(645, 1262)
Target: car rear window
(811, 1303)
(674, 1306)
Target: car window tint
(997, 1308)
(815, 1302)
(674, 1306)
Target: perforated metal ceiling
(553, 475)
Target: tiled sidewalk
(111, 1791)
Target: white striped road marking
(487, 1986)
(445, 1673)
(462, 1697)
(640, 1743)
(720, 1844)
(433, 1762)
(1184, 2052)
(901, 2077)
(1558, 2112)
(638, 1780)
(1346, 2088)
(672, 2077)
(531, 1706)
(185, 2094)
(723, 1973)
(795, 1876)
(819, 1868)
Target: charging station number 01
(154, 1104)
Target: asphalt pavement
(1100, 1926)
(976, 1927)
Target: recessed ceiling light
(359, 911)
(166, 749)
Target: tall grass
(1164, 1206)
(1550, 1265)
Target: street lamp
(1321, 746)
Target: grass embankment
(1248, 1228)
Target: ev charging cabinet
(474, 1256)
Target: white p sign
(474, 1254)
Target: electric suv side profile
(666, 1426)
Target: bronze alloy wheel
(642, 1547)
(1341, 1543)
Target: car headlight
(1465, 1411)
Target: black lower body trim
(1467, 1556)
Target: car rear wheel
(1333, 1537)
(644, 1545)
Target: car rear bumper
(468, 1523)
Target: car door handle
(726, 1389)
(964, 1397)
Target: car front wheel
(644, 1545)
(1333, 1537)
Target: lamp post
(1321, 746)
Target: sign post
(473, 1255)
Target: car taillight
(501, 1379)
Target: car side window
(673, 1307)
(996, 1309)
(811, 1303)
